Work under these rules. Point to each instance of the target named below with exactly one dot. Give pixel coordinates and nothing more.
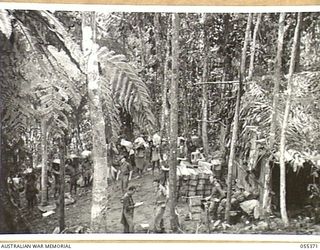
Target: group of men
(141, 154)
(216, 203)
(137, 157)
(161, 199)
(76, 169)
(243, 202)
(23, 184)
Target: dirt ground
(78, 215)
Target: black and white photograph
(159, 122)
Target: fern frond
(64, 37)
(111, 112)
(26, 35)
(128, 90)
(16, 116)
(63, 62)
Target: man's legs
(130, 225)
(125, 227)
(155, 164)
(213, 209)
(158, 218)
(122, 184)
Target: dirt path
(78, 214)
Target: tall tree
(141, 25)
(100, 167)
(205, 98)
(253, 46)
(266, 201)
(283, 209)
(236, 118)
(164, 128)
(174, 122)
(44, 164)
(62, 152)
(160, 55)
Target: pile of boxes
(194, 185)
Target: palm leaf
(129, 91)
(16, 117)
(111, 112)
(72, 48)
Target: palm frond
(111, 112)
(63, 62)
(25, 35)
(16, 117)
(72, 47)
(128, 90)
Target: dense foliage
(43, 81)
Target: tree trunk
(236, 120)
(297, 67)
(254, 151)
(184, 109)
(44, 159)
(78, 116)
(174, 123)
(165, 109)
(162, 79)
(227, 75)
(266, 201)
(142, 43)
(222, 141)
(283, 208)
(78, 138)
(62, 152)
(100, 166)
(205, 90)
(253, 46)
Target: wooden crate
(199, 192)
(204, 176)
(206, 192)
(202, 181)
(194, 206)
(193, 183)
(186, 177)
(191, 193)
(194, 201)
(196, 216)
(194, 177)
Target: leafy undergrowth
(77, 216)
